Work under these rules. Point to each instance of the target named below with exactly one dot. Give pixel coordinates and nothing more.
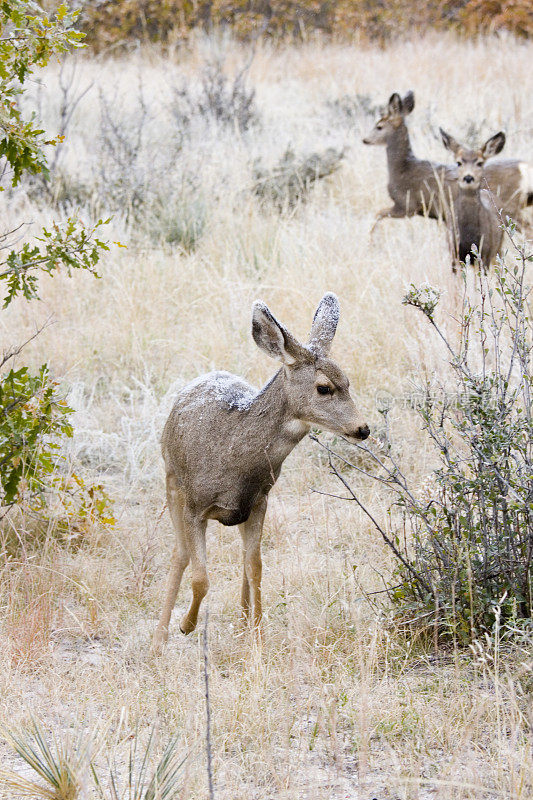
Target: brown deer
(416, 186)
(423, 187)
(474, 219)
(224, 444)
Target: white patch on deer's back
(229, 390)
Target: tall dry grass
(337, 703)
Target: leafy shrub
(464, 547)
(27, 41)
(32, 410)
(33, 416)
(70, 245)
(34, 419)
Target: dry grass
(336, 704)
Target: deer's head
(391, 119)
(469, 163)
(316, 389)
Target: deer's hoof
(187, 626)
(159, 641)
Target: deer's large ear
(272, 337)
(324, 325)
(449, 142)
(494, 145)
(408, 103)
(395, 104)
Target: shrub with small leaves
(32, 413)
(70, 245)
(463, 543)
(425, 298)
(28, 39)
(34, 417)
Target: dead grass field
(336, 703)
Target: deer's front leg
(251, 532)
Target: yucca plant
(143, 782)
(60, 766)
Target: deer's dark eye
(480, 163)
(324, 389)
(379, 127)
(459, 163)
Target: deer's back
(420, 185)
(205, 414)
(209, 449)
(507, 179)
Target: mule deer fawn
(416, 186)
(423, 187)
(224, 444)
(473, 218)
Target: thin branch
(15, 352)
(378, 527)
(7, 234)
(208, 709)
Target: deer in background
(423, 187)
(416, 186)
(224, 444)
(473, 218)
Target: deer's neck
(273, 426)
(399, 152)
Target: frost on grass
(126, 437)
(126, 440)
(291, 179)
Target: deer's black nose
(362, 432)
(468, 178)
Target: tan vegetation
(111, 23)
(338, 702)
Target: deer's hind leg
(251, 532)
(195, 532)
(179, 560)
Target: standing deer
(423, 187)
(474, 217)
(224, 444)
